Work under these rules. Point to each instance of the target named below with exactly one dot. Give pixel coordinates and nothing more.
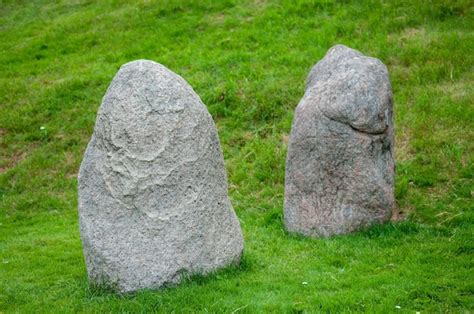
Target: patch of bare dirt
(9, 159)
(400, 214)
(403, 150)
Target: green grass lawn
(248, 61)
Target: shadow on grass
(386, 231)
(187, 279)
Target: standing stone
(340, 167)
(153, 201)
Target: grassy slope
(248, 62)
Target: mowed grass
(248, 61)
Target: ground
(248, 61)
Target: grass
(248, 61)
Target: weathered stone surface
(153, 200)
(340, 167)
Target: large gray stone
(153, 201)
(340, 167)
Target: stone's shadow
(94, 290)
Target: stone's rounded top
(141, 63)
(339, 58)
(352, 89)
(342, 49)
(144, 102)
(154, 82)
(145, 65)
(143, 68)
(335, 56)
